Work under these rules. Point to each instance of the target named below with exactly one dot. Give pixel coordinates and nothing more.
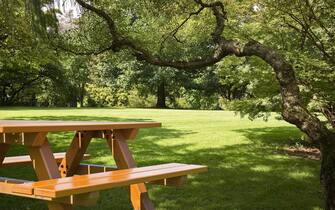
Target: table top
(16, 126)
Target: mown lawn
(245, 169)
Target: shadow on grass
(240, 176)
(272, 136)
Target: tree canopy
(249, 56)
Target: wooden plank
(26, 160)
(84, 169)
(138, 194)
(32, 185)
(44, 161)
(46, 168)
(88, 185)
(126, 133)
(7, 188)
(21, 138)
(18, 126)
(86, 199)
(7, 184)
(69, 166)
(75, 153)
(93, 168)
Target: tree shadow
(272, 136)
(244, 177)
(241, 176)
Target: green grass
(245, 169)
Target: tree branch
(174, 32)
(293, 108)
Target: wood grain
(18, 126)
(75, 153)
(26, 160)
(46, 168)
(101, 181)
(138, 193)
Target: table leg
(75, 153)
(124, 159)
(46, 167)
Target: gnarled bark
(293, 110)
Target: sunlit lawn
(245, 169)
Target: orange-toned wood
(126, 134)
(101, 181)
(123, 158)
(75, 153)
(27, 187)
(7, 188)
(25, 159)
(18, 126)
(46, 168)
(101, 134)
(84, 169)
(44, 161)
(33, 135)
(3, 150)
(21, 138)
(93, 168)
(70, 163)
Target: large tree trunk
(295, 113)
(328, 111)
(293, 110)
(161, 95)
(327, 174)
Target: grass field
(245, 169)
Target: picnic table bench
(64, 181)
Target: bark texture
(293, 110)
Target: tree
(293, 109)
(163, 82)
(26, 60)
(192, 35)
(108, 81)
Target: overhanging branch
(293, 108)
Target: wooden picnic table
(57, 184)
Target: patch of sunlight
(300, 174)
(261, 168)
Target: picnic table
(64, 181)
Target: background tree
(213, 42)
(217, 46)
(25, 59)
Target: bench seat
(26, 160)
(56, 188)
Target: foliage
(246, 85)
